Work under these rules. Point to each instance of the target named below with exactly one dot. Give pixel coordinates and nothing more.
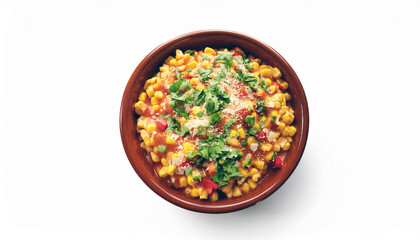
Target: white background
(63, 70)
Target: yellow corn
(155, 157)
(142, 97)
(251, 140)
(276, 73)
(168, 59)
(276, 147)
(277, 105)
(154, 101)
(288, 118)
(169, 140)
(256, 126)
(140, 107)
(162, 172)
(210, 51)
(151, 127)
(253, 172)
(286, 146)
(267, 73)
(190, 181)
(256, 177)
(200, 87)
(232, 141)
(266, 147)
(214, 196)
(260, 164)
(150, 91)
(227, 188)
(158, 84)
(281, 126)
(287, 97)
(194, 81)
(252, 184)
(183, 181)
(155, 149)
(244, 173)
(164, 161)
(255, 65)
(272, 88)
(188, 147)
(268, 156)
(267, 81)
(260, 92)
(164, 68)
(158, 95)
(236, 192)
(250, 104)
(187, 57)
(229, 194)
(171, 169)
(245, 187)
(172, 62)
(178, 54)
(233, 133)
(241, 133)
(188, 190)
(182, 68)
(192, 64)
(194, 193)
(292, 131)
(195, 110)
(205, 64)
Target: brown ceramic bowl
(199, 40)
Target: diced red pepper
(208, 184)
(235, 53)
(161, 125)
(278, 162)
(187, 165)
(261, 136)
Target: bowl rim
(125, 107)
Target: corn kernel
(154, 101)
(182, 120)
(284, 85)
(182, 68)
(210, 51)
(155, 149)
(281, 126)
(169, 139)
(155, 157)
(236, 192)
(292, 131)
(188, 190)
(194, 192)
(190, 181)
(192, 64)
(168, 59)
(241, 133)
(269, 156)
(200, 87)
(227, 188)
(276, 148)
(188, 147)
(272, 88)
(254, 114)
(162, 172)
(260, 164)
(142, 97)
(232, 141)
(151, 127)
(158, 95)
(251, 140)
(267, 81)
(277, 105)
(256, 177)
(282, 141)
(195, 110)
(203, 193)
(289, 139)
(253, 172)
(286, 146)
(267, 73)
(194, 81)
(245, 187)
(244, 173)
(140, 107)
(255, 65)
(205, 64)
(164, 161)
(150, 91)
(164, 68)
(288, 118)
(260, 92)
(263, 118)
(183, 181)
(276, 73)
(252, 184)
(233, 133)
(214, 197)
(266, 147)
(172, 62)
(171, 169)
(178, 54)
(287, 97)
(187, 57)
(256, 126)
(229, 194)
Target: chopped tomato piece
(235, 53)
(161, 125)
(261, 136)
(208, 184)
(211, 169)
(278, 162)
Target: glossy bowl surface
(199, 40)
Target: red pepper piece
(278, 162)
(208, 184)
(261, 136)
(161, 125)
(235, 53)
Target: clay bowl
(199, 40)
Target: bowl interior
(199, 40)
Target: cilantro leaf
(180, 98)
(264, 85)
(200, 114)
(260, 106)
(191, 52)
(205, 74)
(205, 56)
(180, 111)
(226, 58)
(250, 120)
(252, 132)
(247, 163)
(174, 88)
(162, 148)
(184, 130)
(215, 118)
(228, 124)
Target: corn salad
(214, 121)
